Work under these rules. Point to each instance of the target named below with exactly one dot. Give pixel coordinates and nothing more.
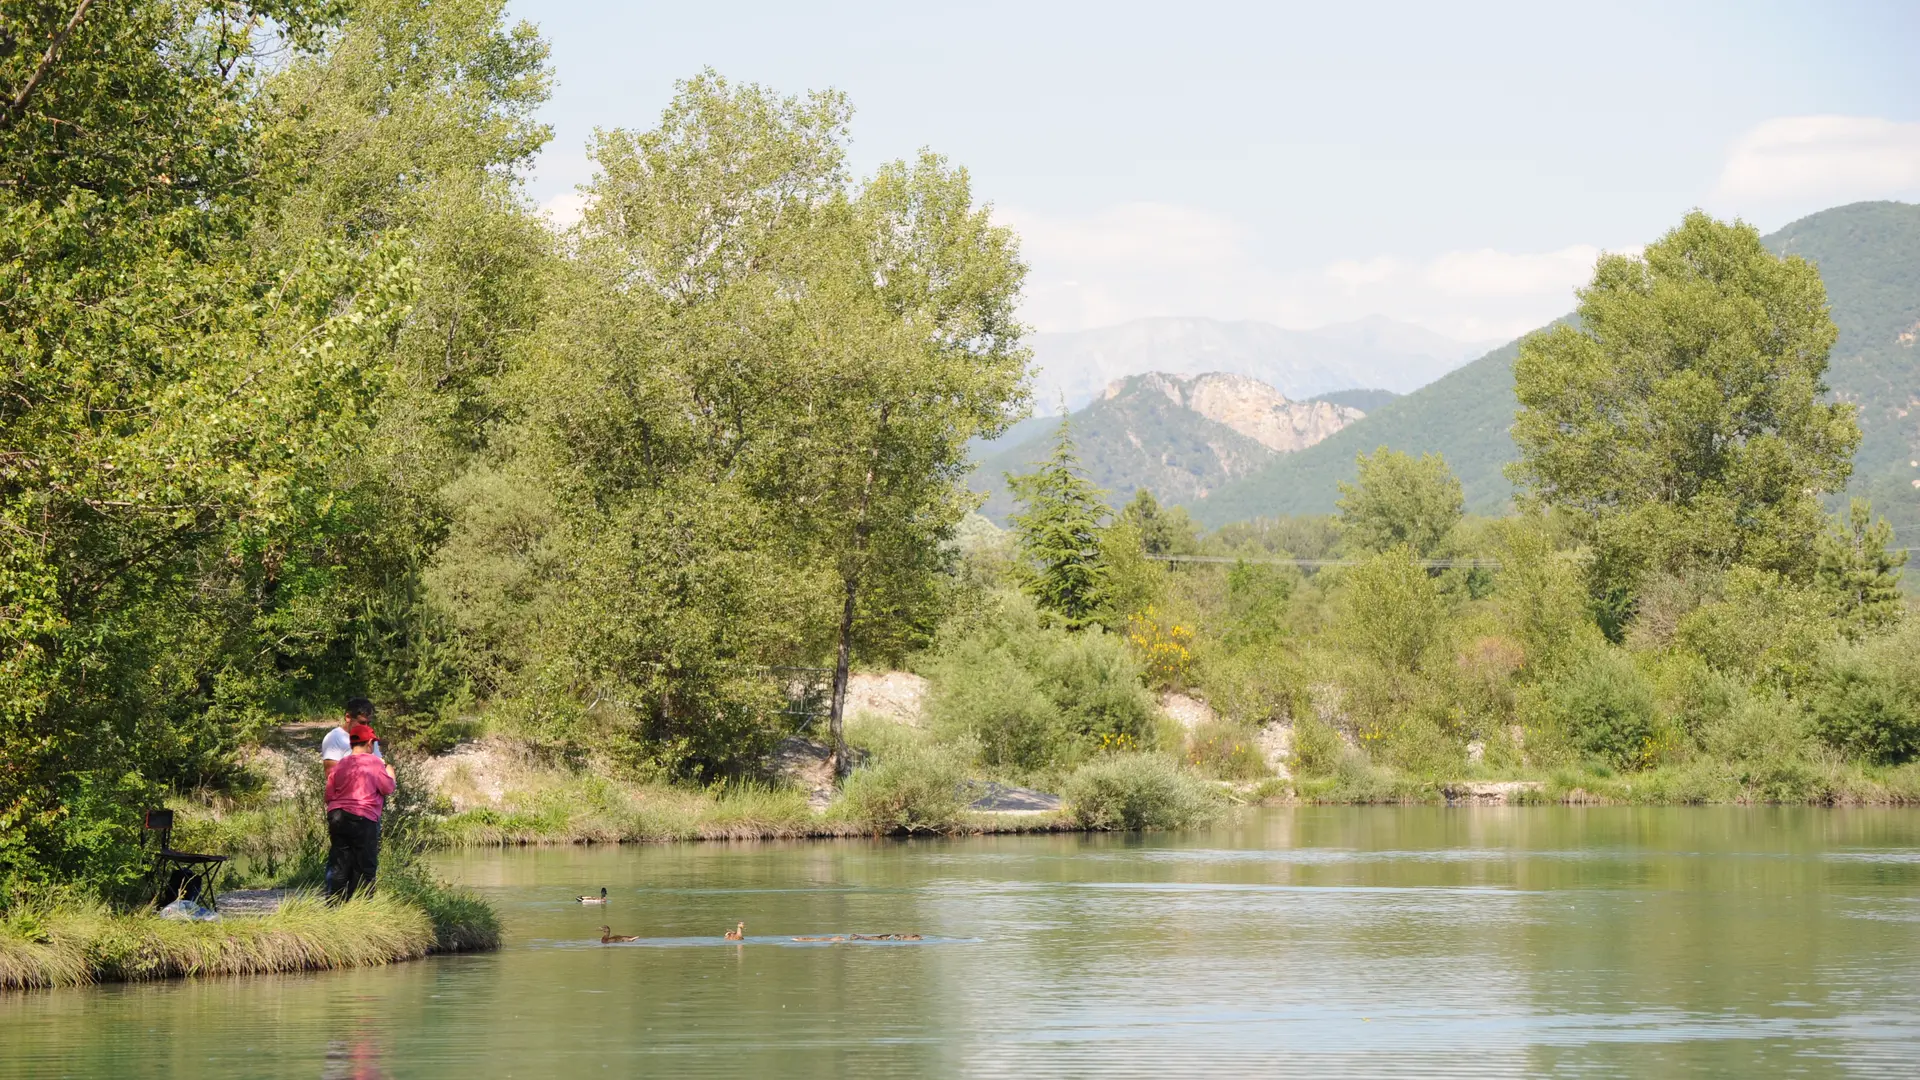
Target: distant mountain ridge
(1180, 436)
(1372, 352)
(1869, 257)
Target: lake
(1313, 941)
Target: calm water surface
(1313, 942)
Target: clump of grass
(913, 790)
(1138, 791)
(1224, 750)
(72, 944)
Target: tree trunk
(843, 656)
(836, 716)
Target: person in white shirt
(336, 745)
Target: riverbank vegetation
(302, 399)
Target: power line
(1490, 564)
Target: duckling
(886, 937)
(836, 937)
(738, 933)
(601, 899)
(608, 937)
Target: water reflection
(1312, 942)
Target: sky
(1457, 166)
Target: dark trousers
(354, 856)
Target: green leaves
(1683, 422)
(1059, 531)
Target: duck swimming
(836, 937)
(886, 937)
(608, 937)
(738, 933)
(601, 899)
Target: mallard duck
(608, 937)
(886, 937)
(601, 899)
(738, 933)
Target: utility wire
(1231, 559)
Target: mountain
(1869, 257)
(1180, 436)
(1374, 351)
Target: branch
(19, 101)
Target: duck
(835, 937)
(886, 937)
(608, 937)
(738, 933)
(601, 899)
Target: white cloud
(1144, 259)
(1797, 164)
(564, 209)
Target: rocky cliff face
(1180, 436)
(1246, 405)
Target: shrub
(1765, 629)
(1317, 747)
(1095, 685)
(1865, 699)
(1256, 685)
(1390, 610)
(1606, 709)
(1225, 750)
(1164, 646)
(1138, 791)
(991, 697)
(1865, 711)
(919, 790)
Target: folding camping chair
(181, 875)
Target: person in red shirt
(357, 791)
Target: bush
(1865, 698)
(1866, 712)
(1138, 791)
(1256, 685)
(1035, 698)
(919, 790)
(1606, 709)
(1225, 750)
(1390, 610)
(1317, 747)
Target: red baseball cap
(360, 733)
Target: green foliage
(1685, 422)
(1859, 570)
(1036, 697)
(1159, 531)
(1317, 747)
(1059, 533)
(912, 790)
(1866, 698)
(1390, 611)
(1763, 628)
(1400, 502)
(1605, 709)
(1137, 791)
(1225, 750)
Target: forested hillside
(1869, 256)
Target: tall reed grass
(73, 944)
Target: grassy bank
(75, 944)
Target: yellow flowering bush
(1165, 648)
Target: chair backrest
(160, 821)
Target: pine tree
(1859, 569)
(1059, 533)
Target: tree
(174, 400)
(1400, 502)
(1860, 571)
(1058, 533)
(1161, 532)
(1682, 423)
